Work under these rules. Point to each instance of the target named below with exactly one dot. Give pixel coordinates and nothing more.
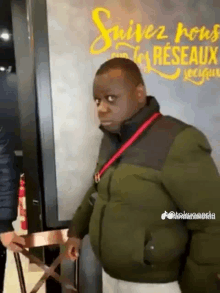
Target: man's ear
(141, 93)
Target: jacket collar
(130, 126)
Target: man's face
(116, 97)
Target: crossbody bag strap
(129, 142)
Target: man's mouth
(106, 123)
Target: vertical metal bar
(2, 266)
(20, 272)
(77, 274)
(24, 55)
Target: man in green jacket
(132, 214)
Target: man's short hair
(128, 66)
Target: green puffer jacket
(168, 168)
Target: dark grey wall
(73, 28)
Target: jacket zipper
(110, 179)
(103, 209)
(100, 230)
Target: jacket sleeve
(9, 180)
(193, 182)
(80, 222)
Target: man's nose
(103, 107)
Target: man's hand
(9, 240)
(72, 248)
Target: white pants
(111, 285)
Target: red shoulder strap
(118, 153)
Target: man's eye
(97, 101)
(111, 98)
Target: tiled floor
(31, 273)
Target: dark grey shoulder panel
(152, 148)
